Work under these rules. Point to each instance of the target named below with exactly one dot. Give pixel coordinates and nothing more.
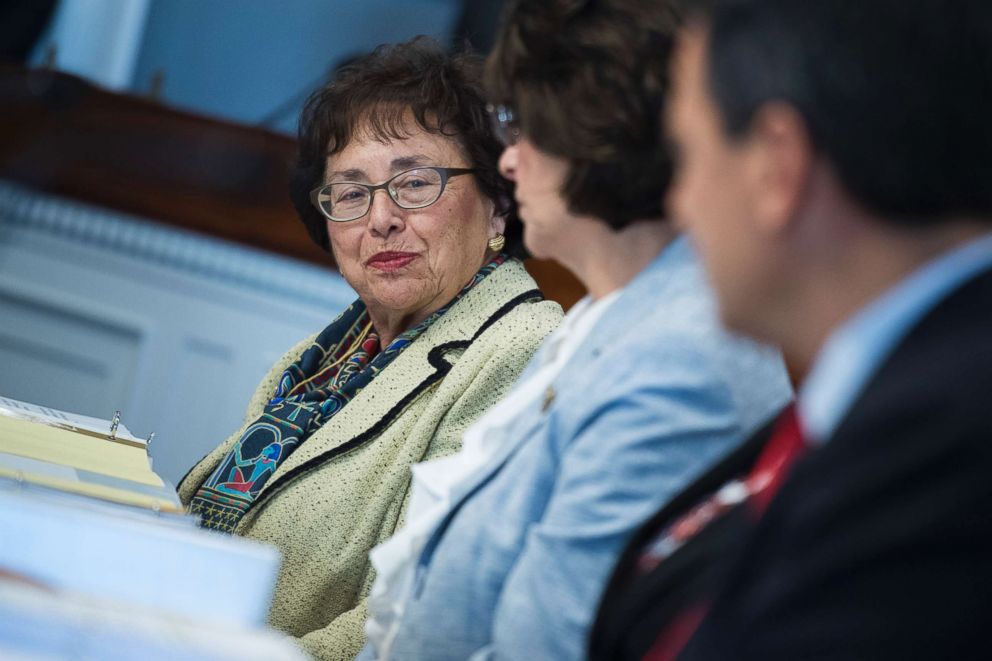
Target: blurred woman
(508, 544)
(397, 176)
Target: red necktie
(785, 445)
(783, 448)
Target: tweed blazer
(345, 489)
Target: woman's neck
(390, 326)
(609, 259)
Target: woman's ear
(497, 221)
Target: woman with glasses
(397, 177)
(507, 545)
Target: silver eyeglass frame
(444, 173)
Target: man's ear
(779, 165)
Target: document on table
(80, 463)
(73, 421)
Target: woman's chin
(398, 298)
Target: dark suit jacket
(878, 545)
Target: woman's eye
(412, 183)
(351, 195)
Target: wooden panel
(557, 282)
(62, 135)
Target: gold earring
(497, 242)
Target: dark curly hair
(587, 80)
(374, 92)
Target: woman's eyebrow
(396, 165)
(407, 162)
(347, 175)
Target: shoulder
(940, 371)
(670, 318)
(506, 308)
(508, 287)
(528, 322)
(662, 344)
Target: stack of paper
(73, 421)
(77, 454)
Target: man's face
(711, 196)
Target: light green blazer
(345, 489)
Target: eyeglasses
(504, 123)
(342, 201)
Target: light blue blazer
(656, 393)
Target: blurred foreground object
(99, 561)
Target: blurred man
(835, 172)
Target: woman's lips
(390, 260)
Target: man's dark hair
(897, 94)
(374, 93)
(587, 81)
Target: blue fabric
(854, 352)
(656, 393)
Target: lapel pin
(549, 398)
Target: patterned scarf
(342, 360)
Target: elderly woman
(508, 544)
(397, 176)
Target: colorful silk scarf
(342, 360)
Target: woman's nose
(508, 162)
(385, 216)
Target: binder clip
(114, 424)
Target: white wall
(98, 39)
(100, 311)
(235, 59)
